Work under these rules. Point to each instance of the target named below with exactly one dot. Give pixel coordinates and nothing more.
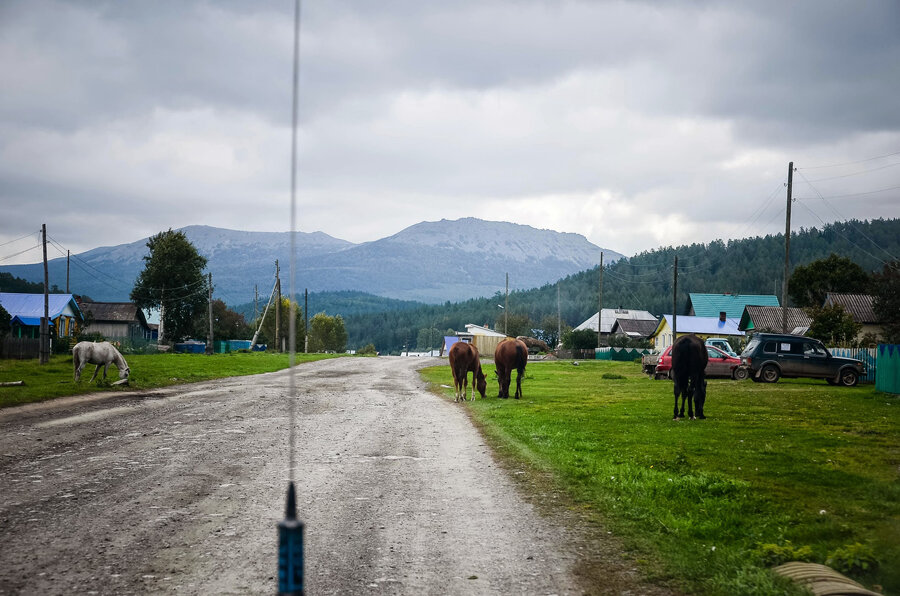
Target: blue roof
(28, 308)
(705, 325)
(710, 305)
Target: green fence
(887, 377)
(620, 354)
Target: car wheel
(848, 378)
(770, 373)
(739, 374)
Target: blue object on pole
(290, 549)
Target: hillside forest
(644, 281)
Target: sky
(635, 124)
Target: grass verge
(798, 470)
(148, 371)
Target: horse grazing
(464, 359)
(510, 354)
(100, 353)
(689, 358)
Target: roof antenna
(290, 530)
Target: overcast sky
(636, 124)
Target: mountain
(429, 262)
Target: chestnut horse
(689, 359)
(464, 359)
(510, 354)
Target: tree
(327, 334)
(585, 339)
(173, 281)
(833, 325)
(5, 322)
(886, 291)
(516, 324)
(549, 330)
(267, 332)
(227, 324)
(809, 283)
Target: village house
(861, 308)
(710, 305)
(770, 319)
(611, 315)
(26, 310)
(116, 320)
(703, 327)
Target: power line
(855, 194)
(21, 252)
(890, 165)
(22, 238)
(850, 163)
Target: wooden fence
(20, 348)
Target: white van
(722, 344)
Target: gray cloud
(635, 123)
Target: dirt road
(180, 490)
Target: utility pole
(558, 318)
(45, 320)
(675, 303)
(306, 321)
(787, 250)
(162, 316)
(506, 309)
(209, 343)
(68, 255)
(600, 303)
(255, 302)
(277, 308)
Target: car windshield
(751, 346)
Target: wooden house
(26, 311)
(116, 320)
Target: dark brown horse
(510, 354)
(464, 359)
(689, 358)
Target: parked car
(722, 344)
(720, 364)
(770, 356)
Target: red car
(720, 365)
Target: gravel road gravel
(179, 491)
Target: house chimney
(722, 316)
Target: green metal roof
(710, 305)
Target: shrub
(853, 559)
(775, 554)
(367, 350)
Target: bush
(774, 554)
(853, 559)
(367, 350)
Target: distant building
(634, 328)
(770, 319)
(702, 327)
(611, 315)
(26, 311)
(710, 305)
(116, 320)
(861, 308)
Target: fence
(866, 355)
(621, 354)
(20, 348)
(888, 377)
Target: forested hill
(644, 281)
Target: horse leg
(518, 383)
(677, 393)
(700, 399)
(94, 376)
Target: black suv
(770, 356)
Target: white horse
(100, 353)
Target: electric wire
(850, 163)
(22, 238)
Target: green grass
(149, 371)
(798, 468)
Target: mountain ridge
(429, 262)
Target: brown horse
(689, 359)
(464, 359)
(510, 354)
